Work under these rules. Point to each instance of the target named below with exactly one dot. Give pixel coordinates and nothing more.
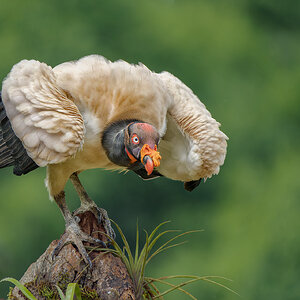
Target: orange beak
(150, 158)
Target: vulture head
(133, 144)
(141, 141)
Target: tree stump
(108, 279)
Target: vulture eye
(135, 140)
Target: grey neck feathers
(113, 139)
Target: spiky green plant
(145, 287)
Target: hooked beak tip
(148, 163)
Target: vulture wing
(193, 146)
(41, 114)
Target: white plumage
(58, 112)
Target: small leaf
(176, 287)
(21, 287)
(136, 243)
(155, 229)
(163, 247)
(126, 245)
(193, 279)
(61, 294)
(73, 290)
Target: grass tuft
(145, 287)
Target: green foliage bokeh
(242, 59)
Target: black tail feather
(191, 185)
(12, 151)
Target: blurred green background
(242, 59)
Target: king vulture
(94, 113)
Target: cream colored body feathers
(60, 113)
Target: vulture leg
(87, 204)
(73, 233)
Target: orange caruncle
(152, 153)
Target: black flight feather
(12, 151)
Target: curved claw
(106, 223)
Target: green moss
(88, 294)
(64, 280)
(10, 295)
(48, 292)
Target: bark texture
(108, 279)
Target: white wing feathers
(46, 121)
(201, 146)
(52, 130)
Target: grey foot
(73, 234)
(106, 223)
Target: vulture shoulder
(42, 116)
(193, 146)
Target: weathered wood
(108, 279)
